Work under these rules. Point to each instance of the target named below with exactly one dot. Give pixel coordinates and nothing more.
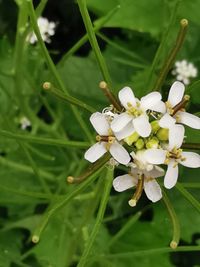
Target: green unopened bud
(152, 143)
(155, 126)
(163, 134)
(132, 138)
(140, 143)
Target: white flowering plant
(99, 133)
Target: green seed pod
(152, 143)
(132, 138)
(163, 134)
(140, 143)
(155, 126)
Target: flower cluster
(47, 29)
(184, 70)
(144, 134)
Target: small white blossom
(138, 168)
(25, 123)
(172, 156)
(184, 70)
(135, 118)
(47, 29)
(176, 94)
(106, 141)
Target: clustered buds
(143, 134)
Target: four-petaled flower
(140, 169)
(106, 141)
(135, 118)
(172, 156)
(174, 101)
(184, 70)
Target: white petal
(176, 136)
(124, 182)
(125, 132)
(156, 172)
(100, 123)
(171, 175)
(176, 93)
(142, 125)
(189, 119)
(192, 160)
(120, 122)
(155, 156)
(119, 153)
(167, 121)
(150, 100)
(126, 96)
(152, 190)
(160, 107)
(95, 152)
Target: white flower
(176, 94)
(107, 141)
(173, 156)
(184, 70)
(140, 168)
(25, 123)
(135, 118)
(47, 29)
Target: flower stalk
(113, 100)
(48, 87)
(171, 57)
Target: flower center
(169, 108)
(175, 154)
(134, 111)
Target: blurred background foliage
(32, 176)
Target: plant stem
(193, 146)
(152, 251)
(66, 98)
(171, 58)
(61, 203)
(84, 39)
(195, 203)
(54, 70)
(174, 219)
(25, 168)
(44, 141)
(93, 41)
(100, 215)
(162, 45)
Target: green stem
(84, 39)
(191, 185)
(173, 53)
(193, 146)
(54, 70)
(195, 203)
(25, 168)
(93, 41)
(35, 169)
(100, 215)
(125, 228)
(120, 48)
(44, 141)
(161, 47)
(61, 203)
(152, 251)
(67, 98)
(174, 219)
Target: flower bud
(163, 134)
(140, 143)
(132, 138)
(155, 126)
(152, 143)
